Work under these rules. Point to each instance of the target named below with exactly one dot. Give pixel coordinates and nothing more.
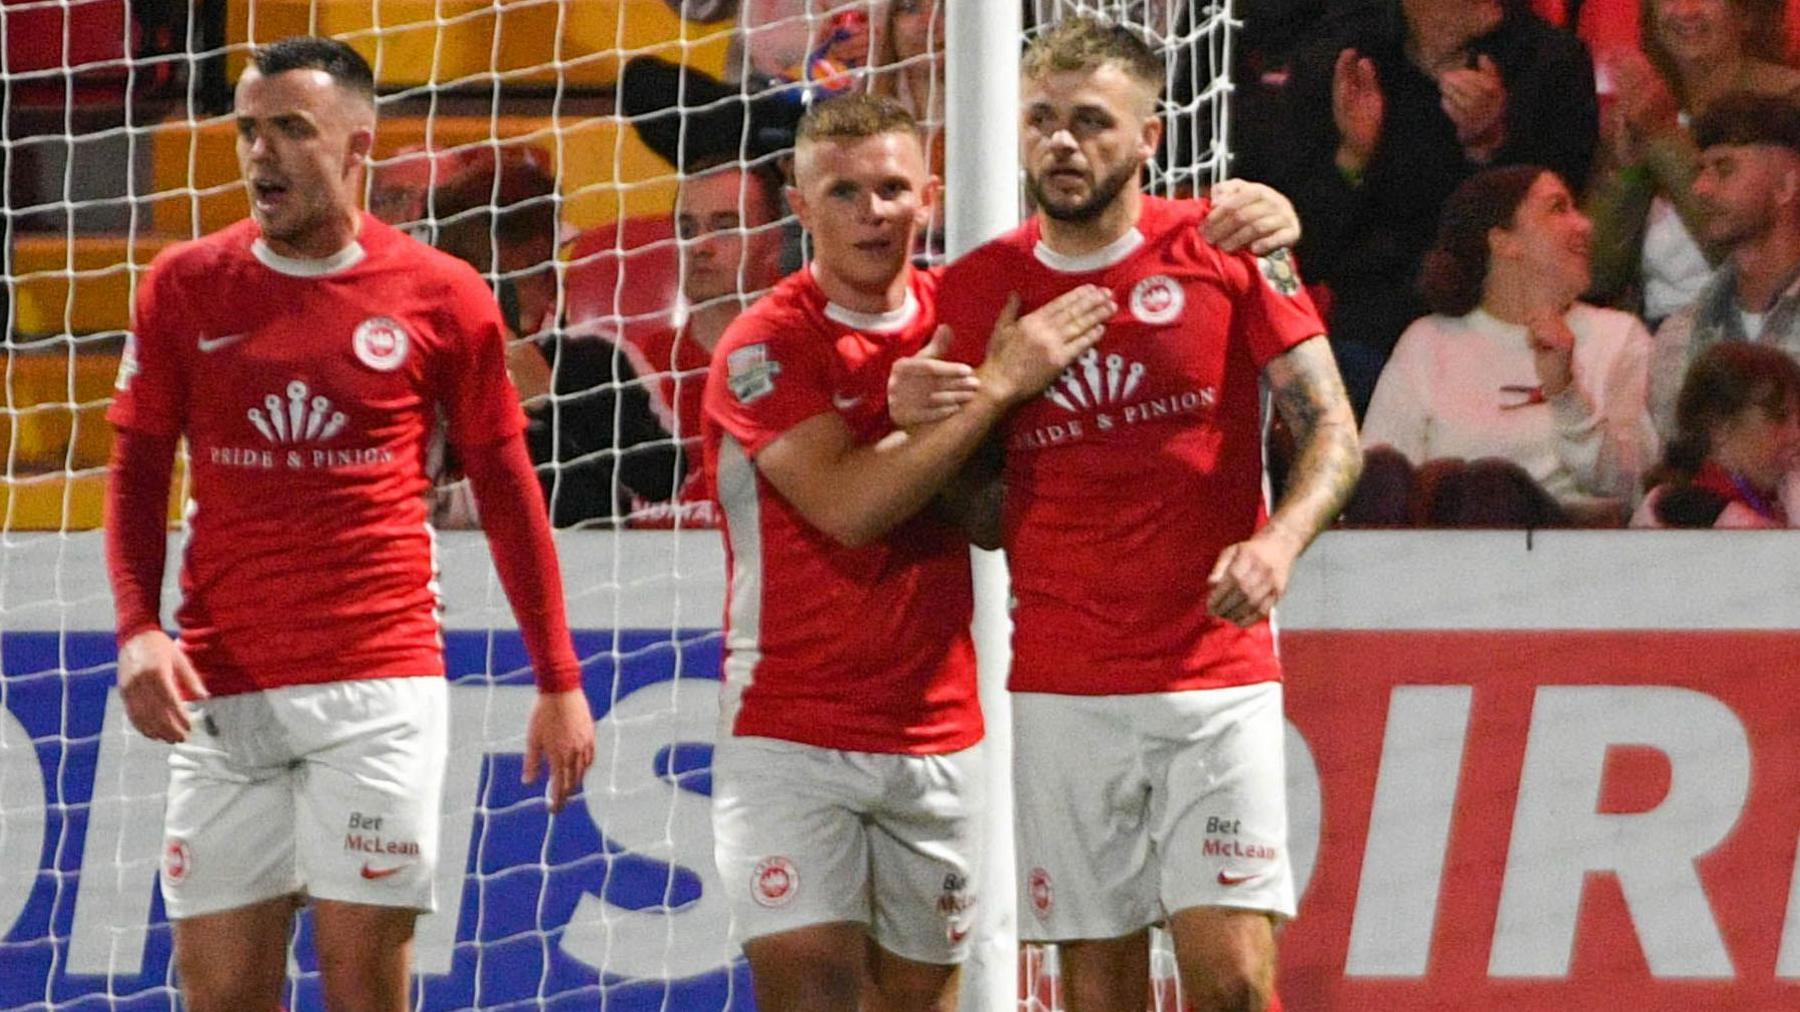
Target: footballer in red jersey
(1147, 711)
(306, 355)
(847, 778)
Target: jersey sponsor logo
(301, 419)
(128, 364)
(1157, 300)
(1101, 391)
(1043, 895)
(953, 904)
(209, 345)
(774, 881)
(380, 343)
(177, 861)
(751, 373)
(1093, 382)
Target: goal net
(613, 167)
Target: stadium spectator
(1736, 447)
(1748, 191)
(1147, 708)
(591, 430)
(1645, 213)
(847, 784)
(1388, 106)
(306, 354)
(693, 119)
(1510, 365)
(729, 221)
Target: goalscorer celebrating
(846, 779)
(306, 354)
(1148, 731)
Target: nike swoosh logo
(1226, 879)
(842, 403)
(372, 873)
(212, 344)
(957, 935)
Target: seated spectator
(1646, 217)
(1736, 445)
(1510, 365)
(728, 219)
(1449, 492)
(1749, 191)
(591, 431)
(1387, 107)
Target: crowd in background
(1539, 232)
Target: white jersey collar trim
(892, 321)
(309, 267)
(1100, 259)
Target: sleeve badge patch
(751, 373)
(1278, 271)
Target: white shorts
(328, 790)
(806, 835)
(1129, 808)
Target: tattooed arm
(1251, 575)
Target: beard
(1104, 192)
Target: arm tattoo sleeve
(1327, 456)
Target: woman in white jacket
(1510, 365)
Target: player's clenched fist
(1250, 578)
(1025, 354)
(154, 678)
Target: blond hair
(1080, 42)
(853, 117)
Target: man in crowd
(306, 354)
(1749, 191)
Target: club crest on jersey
(380, 343)
(751, 373)
(1278, 270)
(1157, 300)
(774, 881)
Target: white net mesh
(613, 167)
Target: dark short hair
(853, 117)
(345, 65)
(761, 178)
(1724, 380)
(509, 193)
(1743, 118)
(1455, 269)
(1083, 42)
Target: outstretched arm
(1252, 575)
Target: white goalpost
(596, 116)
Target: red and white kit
(1124, 481)
(308, 391)
(837, 650)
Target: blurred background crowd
(1557, 242)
